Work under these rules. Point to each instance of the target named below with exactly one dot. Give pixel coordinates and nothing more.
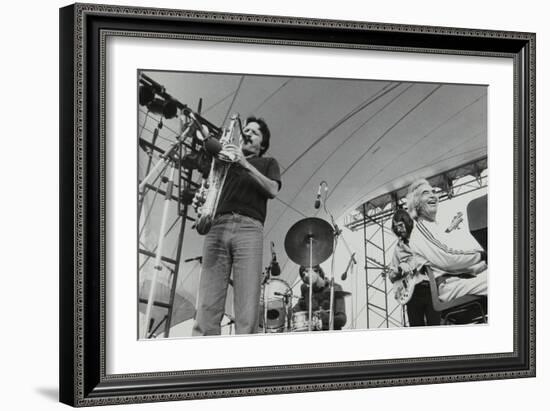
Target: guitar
(403, 288)
(455, 224)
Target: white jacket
(429, 240)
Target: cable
(233, 101)
(341, 121)
(144, 123)
(430, 133)
(164, 126)
(271, 95)
(159, 136)
(206, 110)
(292, 208)
(380, 93)
(384, 135)
(355, 132)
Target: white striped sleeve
(426, 243)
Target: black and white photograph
(273, 204)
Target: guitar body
(403, 289)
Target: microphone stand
(287, 301)
(288, 308)
(350, 266)
(310, 283)
(267, 276)
(336, 233)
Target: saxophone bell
(203, 224)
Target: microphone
(344, 276)
(318, 198)
(202, 131)
(352, 260)
(275, 268)
(213, 146)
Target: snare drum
(300, 321)
(277, 307)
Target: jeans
(420, 309)
(234, 243)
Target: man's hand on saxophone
(198, 199)
(235, 153)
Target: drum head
(276, 310)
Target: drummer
(321, 297)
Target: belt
(236, 213)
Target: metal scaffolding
(166, 187)
(173, 178)
(385, 310)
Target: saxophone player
(234, 243)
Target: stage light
(170, 109)
(167, 108)
(146, 95)
(187, 196)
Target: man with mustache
(234, 244)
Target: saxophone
(210, 190)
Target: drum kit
(308, 243)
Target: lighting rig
(187, 154)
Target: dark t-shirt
(242, 194)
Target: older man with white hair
(430, 241)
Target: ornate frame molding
(82, 140)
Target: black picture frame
(83, 30)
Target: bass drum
(277, 308)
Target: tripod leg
(310, 284)
(158, 263)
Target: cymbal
(297, 241)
